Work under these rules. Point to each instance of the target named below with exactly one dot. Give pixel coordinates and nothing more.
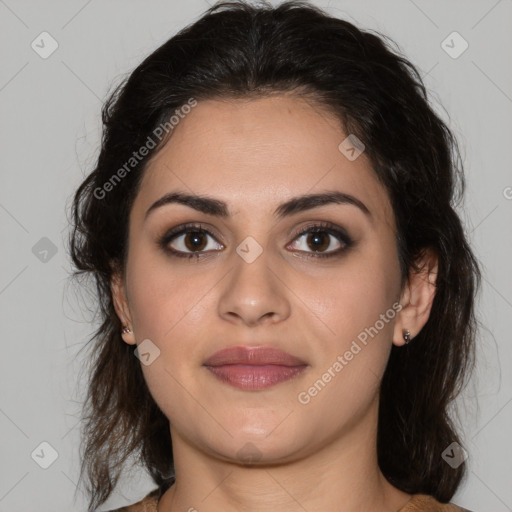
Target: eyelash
(320, 227)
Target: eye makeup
(316, 231)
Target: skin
(254, 155)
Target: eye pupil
(196, 244)
(317, 237)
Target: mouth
(254, 368)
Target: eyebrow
(218, 208)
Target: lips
(254, 368)
(253, 356)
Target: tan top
(418, 503)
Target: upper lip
(253, 356)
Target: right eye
(187, 241)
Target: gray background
(50, 129)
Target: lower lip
(255, 377)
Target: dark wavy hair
(242, 50)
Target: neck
(342, 475)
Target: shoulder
(425, 503)
(148, 504)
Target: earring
(407, 335)
(126, 330)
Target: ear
(120, 300)
(417, 297)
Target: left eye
(317, 241)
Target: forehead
(256, 153)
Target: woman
(287, 293)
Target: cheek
(165, 304)
(350, 363)
(361, 295)
(162, 297)
(357, 306)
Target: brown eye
(318, 241)
(191, 240)
(195, 240)
(322, 241)
(188, 241)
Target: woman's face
(254, 280)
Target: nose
(254, 292)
